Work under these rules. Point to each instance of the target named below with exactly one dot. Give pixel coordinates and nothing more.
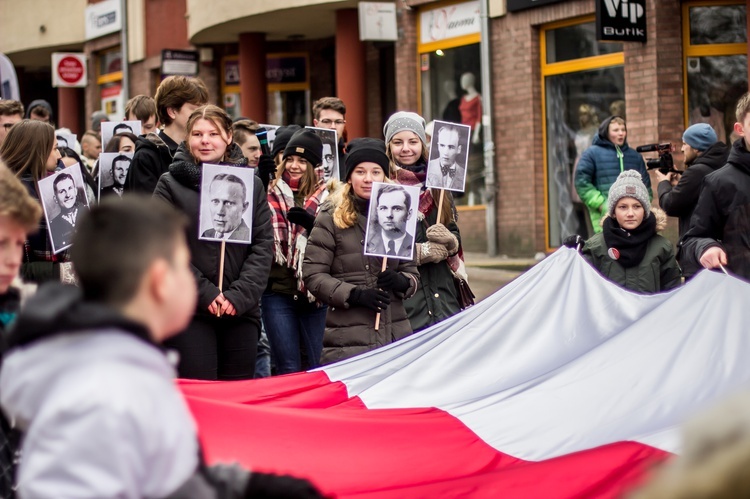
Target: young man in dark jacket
(176, 98)
(719, 233)
(678, 194)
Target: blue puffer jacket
(598, 169)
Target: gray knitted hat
(404, 120)
(630, 185)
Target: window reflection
(718, 24)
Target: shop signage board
(103, 18)
(68, 69)
(621, 20)
(377, 21)
(179, 62)
(516, 5)
(447, 22)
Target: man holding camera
(678, 194)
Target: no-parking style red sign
(68, 69)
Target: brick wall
(472, 224)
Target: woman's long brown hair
(27, 147)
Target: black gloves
(392, 280)
(280, 487)
(266, 169)
(300, 216)
(573, 241)
(374, 299)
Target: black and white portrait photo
(113, 170)
(112, 128)
(449, 155)
(64, 200)
(226, 203)
(330, 154)
(65, 140)
(392, 220)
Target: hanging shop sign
(452, 21)
(516, 5)
(179, 62)
(621, 20)
(103, 18)
(377, 21)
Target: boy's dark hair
(333, 103)
(116, 242)
(175, 92)
(141, 106)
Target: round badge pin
(613, 253)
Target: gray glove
(430, 253)
(439, 233)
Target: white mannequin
(468, 84)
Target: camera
(664, 163)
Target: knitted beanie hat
(404, 120)
(281, 139)
(630, 185)
(363, 150)
(700, 136)
(305, 144)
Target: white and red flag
(559, 385)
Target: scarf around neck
(628, 247)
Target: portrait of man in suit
(119, 171)
(66, 196)
(445, 171)
(227, 198)
(388, 234)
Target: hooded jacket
(246, 266)
(598, 169)
(680, 200)
(722, 215)
(657, 271)
(153, 155)
(96, 401)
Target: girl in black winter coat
(222, 347)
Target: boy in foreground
(87, 383)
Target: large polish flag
(561, 384)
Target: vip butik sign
(621, 20)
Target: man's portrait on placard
(330, 153)
(392, 220)
(449, 155)
(226, 203)
(113, 170)
(64, 200)
(112, 128)
(65, 140)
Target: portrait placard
(330, 153)
(392, 221)
(63, 198)
(226, 204)
(449, 156)
(113, 170)
(65, 139)
(112, 128)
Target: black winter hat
(281, 139)
(305, 144)
(363, 150)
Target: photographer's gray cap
(628, 185)
(700, 136)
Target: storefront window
(584, 83)
(109, 79)
(447, 76)
(715, 64)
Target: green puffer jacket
(658, 271)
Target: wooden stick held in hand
(377, 317)
(221, 273)
(440, 205)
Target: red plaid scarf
(426, 203)
(290, 240)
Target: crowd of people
(275, 277)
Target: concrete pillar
(253, 95)
(69, 107)
(351, 70)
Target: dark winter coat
(722, 215)
(153, 155)
(599, 167)
(680, 200)
(334, 265)
(658, 270)
(246, 267)
(436, 298)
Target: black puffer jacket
(153, 155)
(246, 267)
(722, 216)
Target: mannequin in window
(452, 110)
(471, 106)
(588, 122)
(617, 108)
